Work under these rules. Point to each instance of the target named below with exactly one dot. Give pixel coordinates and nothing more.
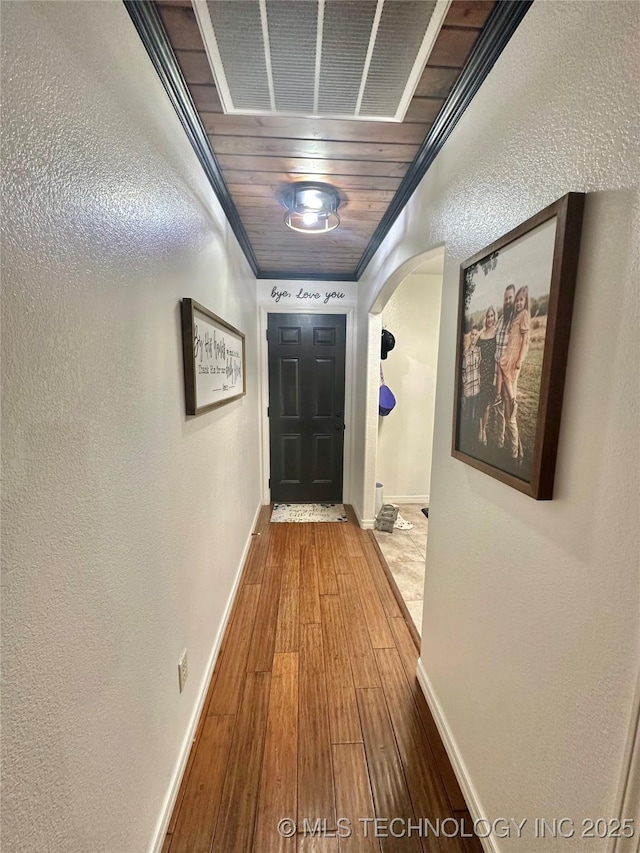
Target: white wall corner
(365, 523)
(457, 761)
(172, 794)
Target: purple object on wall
(386, 400)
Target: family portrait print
(514, 318)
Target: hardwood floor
(314, 713)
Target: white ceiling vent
(358, 59)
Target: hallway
(127, 523)
(314, 711)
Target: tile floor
(405, 553)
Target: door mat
(308, 512)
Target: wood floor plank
(388, 599)
(197, 820)
(194, 745)
(263, 640)
(236, 821)
(277, 552)
(309, 593)
(423, 779)
(307, 535)
(344, 721)
(376, 618)
(288, 607)
(352, 540)
(315, 776)
(166, 844)
(363, 664)
(293, 541)
(264, 518)
(409, 658)
(339, 549)
(315, 844)
(254, 571)
(225, 698)
(259, 545)
(260, 539)
(326, 561)
(353, 797)
(390, 794)
(279, 782)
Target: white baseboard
(470, 794)
(172, 795)
(629, 793)
(406, 499)
(365, 523)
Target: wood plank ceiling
(371, 163)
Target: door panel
(306, 406)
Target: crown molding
(500, 26)
(151, 30)
(305, 276)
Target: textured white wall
(530, 635)
(405, 436)
(124, 522)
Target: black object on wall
(388, 343)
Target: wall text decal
(308, 295)
(214, 356)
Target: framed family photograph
(514, 320)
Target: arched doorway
(408, 306)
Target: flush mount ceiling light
(312, 208)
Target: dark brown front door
(306, 406)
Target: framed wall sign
(514, 319)
(214, 357)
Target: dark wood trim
(151, 30)
(501, 25)
(567, 211)
(305, 276)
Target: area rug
(402, 523)
(308, 512)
